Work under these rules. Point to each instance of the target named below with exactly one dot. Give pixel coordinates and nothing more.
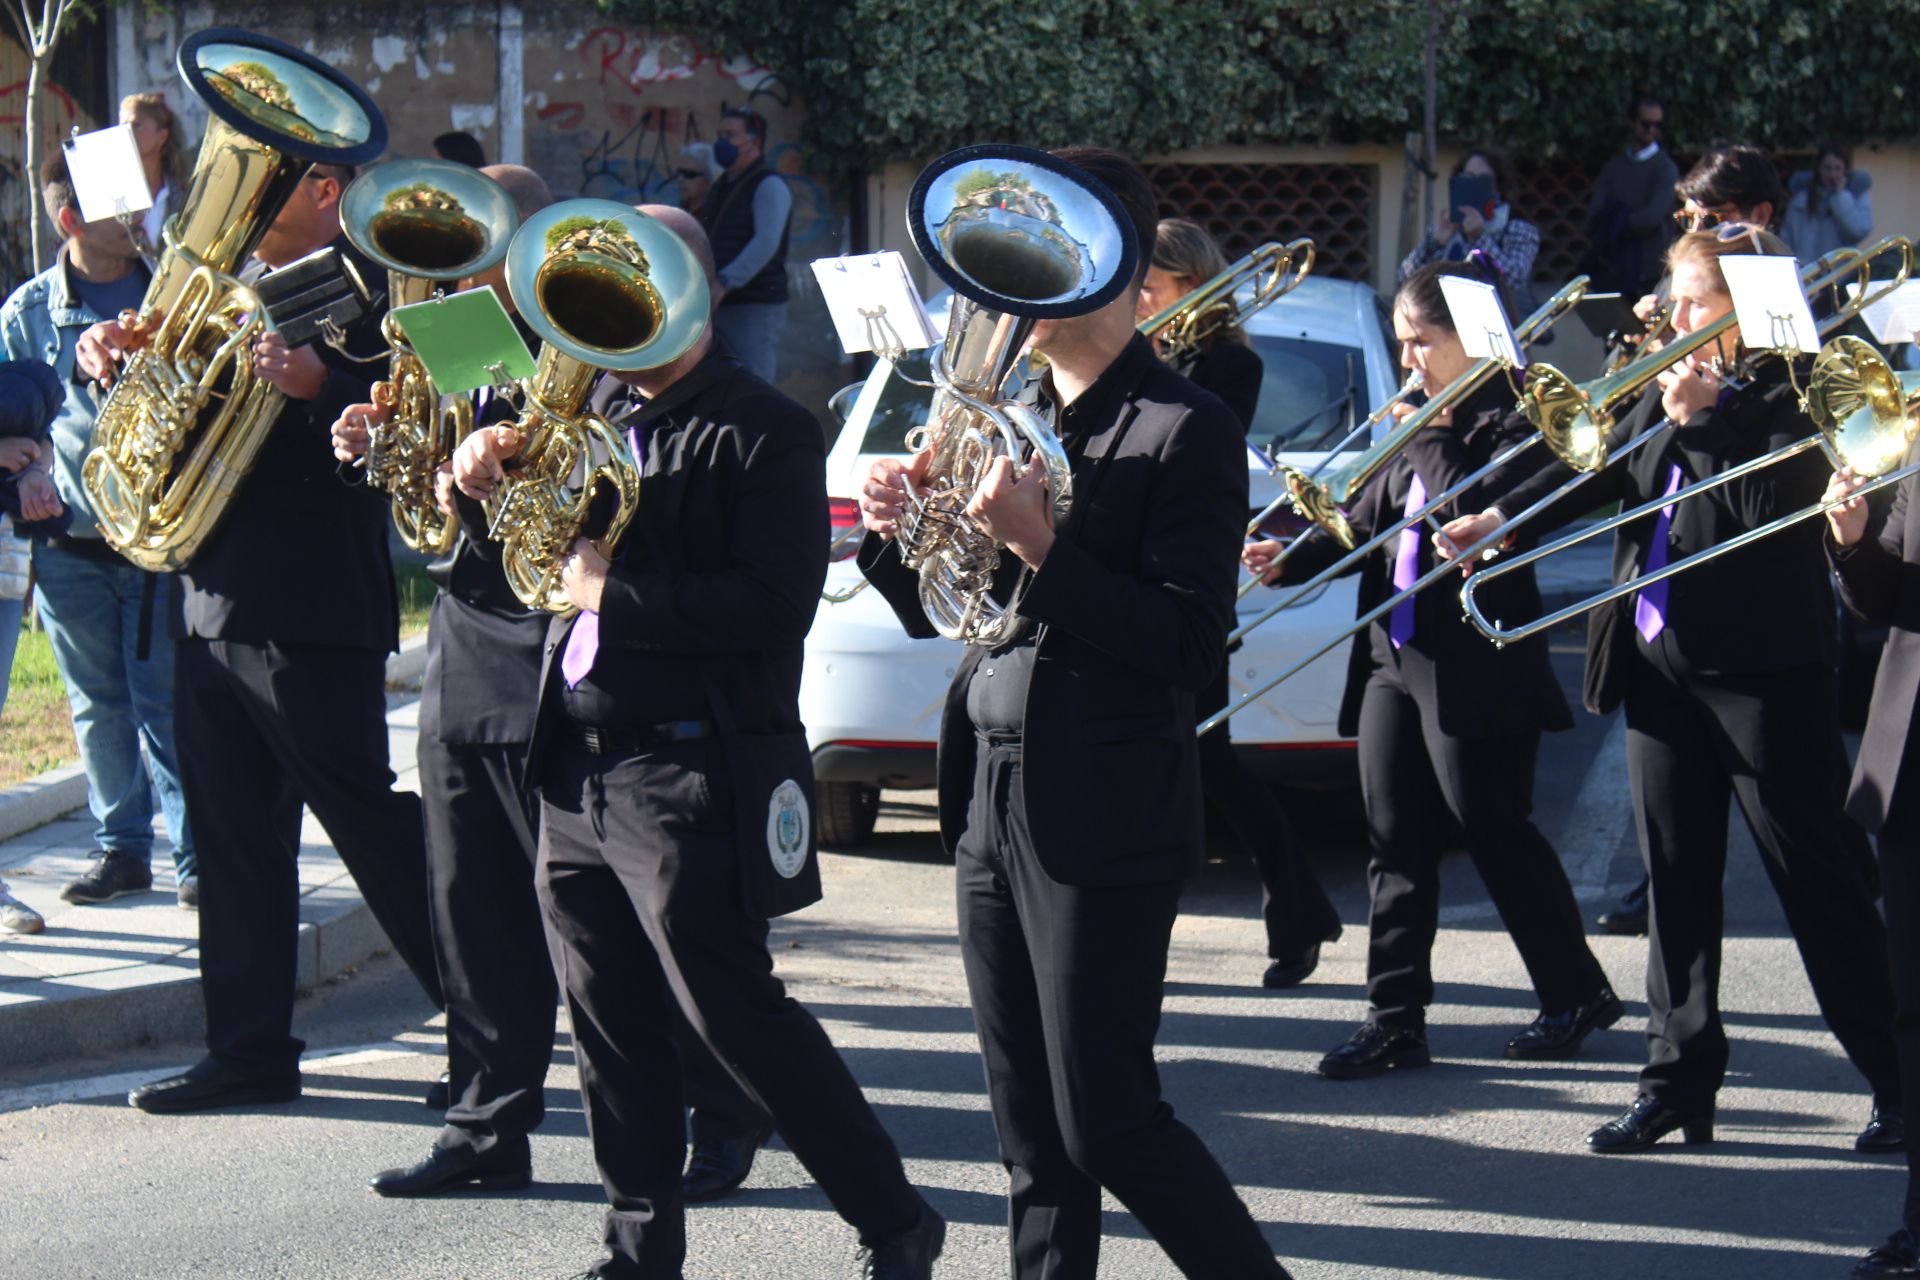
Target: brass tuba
(1020, 237)
(183, 424)
(428, 222)
(605, 287)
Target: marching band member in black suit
(1876, 568)
(280, 700)
(660, 725)
(481, 820)
(1448, 724)
(1294, 907)
(1726, 673)
(1070, 789)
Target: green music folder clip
(466, 340)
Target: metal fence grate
(1244, 205)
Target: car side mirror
(840, 403)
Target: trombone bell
(1863, 408)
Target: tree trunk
(36, 206)
(1430, 125)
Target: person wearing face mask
(1726, 675)
(1829, 207)
(1448, 725)
(745, 215)
(279, 693)
(1508, 243)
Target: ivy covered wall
(898, 79)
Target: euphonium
(1020, 237)
(1272, 269)
(605, 287)
(427, 222)
(185, 420)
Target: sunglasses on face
(1703, 220)
(1651, 126)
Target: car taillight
(843, 516)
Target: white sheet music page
(869, 294)
(1770, 303)
(107, 178)
(1895, 319)
(1481, 321)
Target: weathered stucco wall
(72, 97)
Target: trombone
(1189, 321)
(1321, 502)
(1579, 434)
(1863, 412)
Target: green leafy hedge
(893, 79)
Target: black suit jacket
(1230, 370)
(1767, 607)
(1133, 604)
(1471, 688)
(1880, 582)
(301, 557)
(723, 563)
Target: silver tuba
(1019, 236)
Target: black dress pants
(492, 945)
(1412, 775)
(1066, 984)
(1900, 883)
(639, 880)
(261, 730)
(1294, 907)
(1694, 741)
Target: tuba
(606, 288)
(186, 419)
(1020, 237)
(428, 222)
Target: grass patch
(36, 730)
(415, 590)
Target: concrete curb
(40, 800)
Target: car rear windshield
(1312, 395)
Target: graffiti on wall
(58, 114)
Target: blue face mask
(725, 152)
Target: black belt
(632, 739)
(1001, 739)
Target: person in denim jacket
(107, 620)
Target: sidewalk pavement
(126, 972)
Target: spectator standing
(107, 620)
(1628, 221)
(163, 159)
(1829, 206)
(1509, 243)
(746, 213)
(460, 147)
(696, 174)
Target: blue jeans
(11, 612)
(752, 332)
(91, 608)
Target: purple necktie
(1650, 610)
(583, 642)
(1406, 566)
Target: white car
(871, 697)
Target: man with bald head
(673, 777)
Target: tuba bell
(183, 424)
(605, 287)
(428, 222)
(1020, 237)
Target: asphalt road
(1474, 1168)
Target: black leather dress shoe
(1885, 1134)
(1375, 1050)
(1558, 1035)
(1899, 1256)
(506, 1167)
(909, 1255)
(1646, 1122)
(207, 1085)
(1626, 921)
(718, 1165)
(440, 1092)
(1282, 974)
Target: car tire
(844, 812)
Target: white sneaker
(16, 916)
